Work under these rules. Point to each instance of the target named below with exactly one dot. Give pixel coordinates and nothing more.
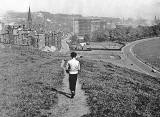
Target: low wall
(92, 48)
(147, 63)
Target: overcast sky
(107, 8)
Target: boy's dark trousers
(72, 82)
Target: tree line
(124, 34)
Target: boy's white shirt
(74, 66)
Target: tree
(100, 36)
(87, 38)
(74, 39)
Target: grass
(148, 51)
(119, 92)
(28, 75)
(26, 80)
(105, 45)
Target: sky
(106, 8)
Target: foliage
(87, 38)
(100, 36)
(31, 75)
(74, 39)
(126, 34)
(119, 92)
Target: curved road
(127, 50)
(65, 47)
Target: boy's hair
(73, 54)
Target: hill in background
(48, 20)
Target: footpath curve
(127, 50)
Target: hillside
(148, 52)
(27, 77)
(119, 92)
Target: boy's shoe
(72, 94)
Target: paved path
(127, 50)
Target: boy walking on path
(73, 67)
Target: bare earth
(68, 107)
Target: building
(110, 25)
(1, 27)
(95, 25)
(98, 24)
(41, 40)
(50, 39)
(82, 26)
(26, 36)
(6, 34)
(58, 39)
(29, 20)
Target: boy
(73, 66)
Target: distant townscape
(27, 35)
(43, 29)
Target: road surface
(127, 50)
(65, 47)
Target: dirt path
(68, 107)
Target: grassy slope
(26, 77)
(149, 52)
(104, 45)
(119, 92)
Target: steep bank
(129, 54)
(119, 92)
(26, 77)
(148, 52)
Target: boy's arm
(79, 67)
(68, 66)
